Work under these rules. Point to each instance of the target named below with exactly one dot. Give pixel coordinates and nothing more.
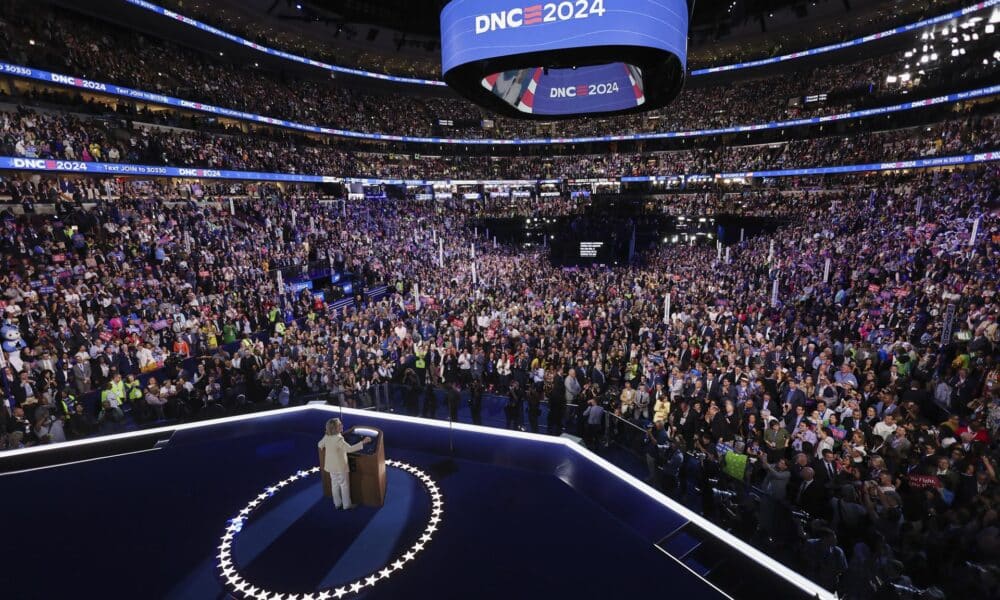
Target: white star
(340, 592)
(408, 556)
(323, 595)
(425, 538)
(252, 591)
(384, 573)
(371, 580)
(242, 587)
(418, 547)
(397, 565)
(356, 587)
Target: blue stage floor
(148, 525)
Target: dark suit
(127, 364)
(792, 421)
(715, 387)
(65, 378)
(812, 499)
(794, 397)
(685, 359)
(825, 475)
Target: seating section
(75, 46)
(825, 384)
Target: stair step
(697, 566)
(681, 544)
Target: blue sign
(560, 93)
(297, 286)
(530, 46)
(95, 168)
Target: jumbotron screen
(568, 58)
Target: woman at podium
(335, 449)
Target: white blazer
(336, 448)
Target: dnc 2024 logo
(539, 14)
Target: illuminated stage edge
(795, 579)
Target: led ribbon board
(566, 58)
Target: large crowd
(846, 384)
(35, 134)
(705, 47)
(76, 46)
(845, 364)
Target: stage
(235, 509)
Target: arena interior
(610, 298)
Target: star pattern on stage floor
(240, 588)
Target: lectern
(367, 468)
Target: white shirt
(336, 448)
(883, 429)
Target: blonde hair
(331, 426)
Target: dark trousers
(533, 420)
(592, 436)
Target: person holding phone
(335, 449)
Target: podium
(367, 468)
